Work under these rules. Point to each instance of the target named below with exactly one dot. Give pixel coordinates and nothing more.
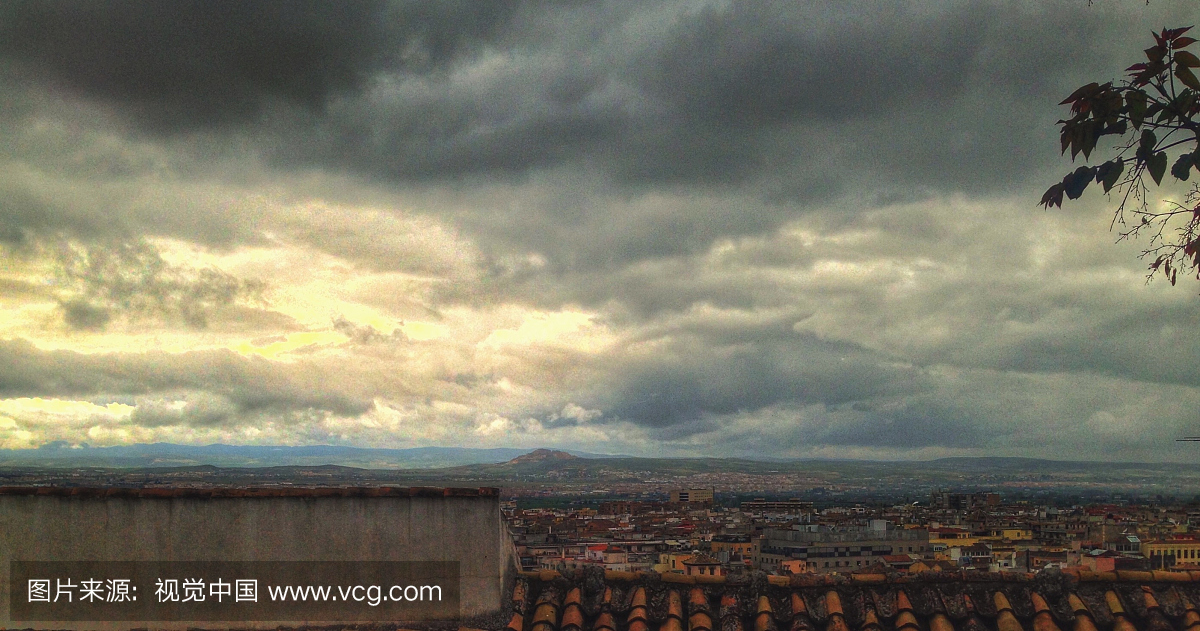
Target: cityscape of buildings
(692, 534)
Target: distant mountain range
(169, 455)
(509, 461)
(818, 480)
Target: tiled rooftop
(595, 600)
(270, 491)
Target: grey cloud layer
(777, 107)
(769, 195)
(652, 93)
(251, 385)
(182, 64)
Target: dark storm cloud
(782, 107)
(204, 410)
(702, 376)
(252, 385)
(599, 138)
(24, 219)
(193, 62)
(940, 424)
(1077, 332)
(646, 93)
(754, 92)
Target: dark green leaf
(1081, 93)
(1184, 58)
(1157, 165)
(1053, 196)
(1087, 140)
(1075, 183)
(1109, 172)
(1182, 166)
(1136, 102)
(1147, 144)
(1186, 77)
(1119, 128)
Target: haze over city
(787, 230)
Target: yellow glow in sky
(540, 328)
(421, 331)
(293, 342)
(59, 407)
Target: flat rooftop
(253, 491)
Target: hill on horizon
(61, 454)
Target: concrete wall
(463, 525)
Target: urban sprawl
(693, 535)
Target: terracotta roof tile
(699, 614)
(837, 622)
(1155, 618)
(1191, 619)
(1148, 598)
(1121, 622)
(802, 619)
(947, 601)
(833, 603)
(674, 620)
(1084, 622)
(939, 622)
(765, 618)
(572, 618)
(1043, 620)
(1114, 603)
(871, 621)
(545, 612)
(519, 605)
(906, 620)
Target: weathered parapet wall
(337, 524)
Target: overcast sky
(794, 229)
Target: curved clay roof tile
(798, 606)
(833, 603)
(1121, 620)
(939, 622)
(871, 621)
